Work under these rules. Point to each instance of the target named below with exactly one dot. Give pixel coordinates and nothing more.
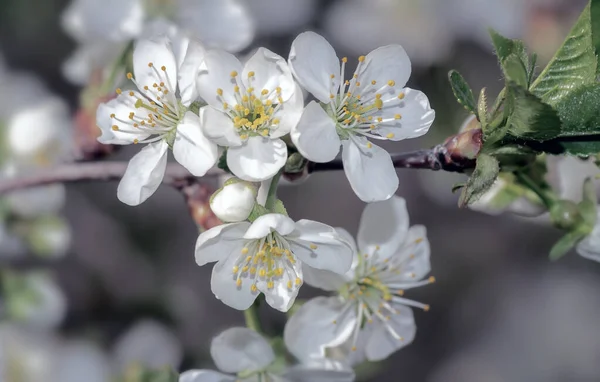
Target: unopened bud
(234, 201)
(565, 214)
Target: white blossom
(367, 317)
(267, 256)
(373, 104)
(157, 114)
(250, 107)
(234, 201)
(241, 354)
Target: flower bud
(234, 201)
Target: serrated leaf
(462, 91)
(505, 47)
(580, 111)
(574, 64)
(482, 108)
(564, 245)
(514, 70)
(279, 208)
(483, 177)
(531, 118)
(595, 20)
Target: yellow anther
(162, 83)
(373, 82)
(391, 83)
(361, 58)
(419, 240)
(401, 96)
(163, 68)
(332, 76)
(369, 145)
(264, 92)
(235, 269)
(377, 96)
(313, 246)
(270, 284)
(353, 348)
(119, 91)
(254, 288)
(398, 116)
(252, 270)
(378, 103)
(431, 279)
(115, 128)
(136, 141)
(131, 94)
(135, 125)
(238, 283)
(220, 92)
(250, 74)
(379, 119)
(236, 89)
(129, 76)
(426, 308)
(298, 281)
(357, 84)
(262, 273)
(150, 64)
(265, 132)
(244, 251)
(289, 284)
(331, 96)
(276, 121)
(279, 99)
(244, 136)
(233, 74)
(225, 105)
(245, 269)
(278, 90)
(113, 115)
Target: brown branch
(92, 171)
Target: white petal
(268, 223)
(188, 72)
(381, 344)
(219, 127)
(270, 71)
(241, 349)
(384, 64)
(370, 171)
(223, 281)
(215, 73)
(288, 114)
(226, 24)
(325, 280)
(216, 243)
(320, 246)
(205, 376)
(234, 202)
(144, 174)
(121, 107)
(590, 246)
(257, 159)
(320, 323)
(416, 114)
(313, 61)
(413, 258)
(191, 148)
(281, 297)
(315, 135)
(159, 53)
(383, 225)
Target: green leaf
(564, 245)
(531, 118)
(580, 111)
(485, 173)
(222, 164)
(279, 208)
(482, 108)
(581, 148)
(505, 47)
(574, 64)
(595, 19)
(514, 70)
(462, 91)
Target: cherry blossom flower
(373, 104)
(234, 201)
(367, 317)
(244, 355)
(157, 114)
(267, 256)
(250, 107)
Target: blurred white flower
(105, 28)
(244, 355)
(234, 201)
(267, 256)
(367, 315)
(49, 236)
(273, 17)
(250, 107)
(149, 344)
(373, 104)
(157, 115)
(358, 26)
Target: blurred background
(96, 285)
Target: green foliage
(279, 208)
(482, 108)
(462, 91)
(505, 47)
(530, 118)
(257, 212)
(514, 70)
(222, 163)
(485, 173)
(574, 64)
(595, 19)
(564, 245)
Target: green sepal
(514, 70)
(565, 244)
(483, 177)
(505, 47)
(257, 212)
(462, 91)
(573, 66)
(295, 163)
(279, 208)
(222, 163)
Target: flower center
(159, 110)
(359, 106)
(254, 112)
(268, 261)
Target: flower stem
(251, 317)
(544, 196)
(272, 195)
